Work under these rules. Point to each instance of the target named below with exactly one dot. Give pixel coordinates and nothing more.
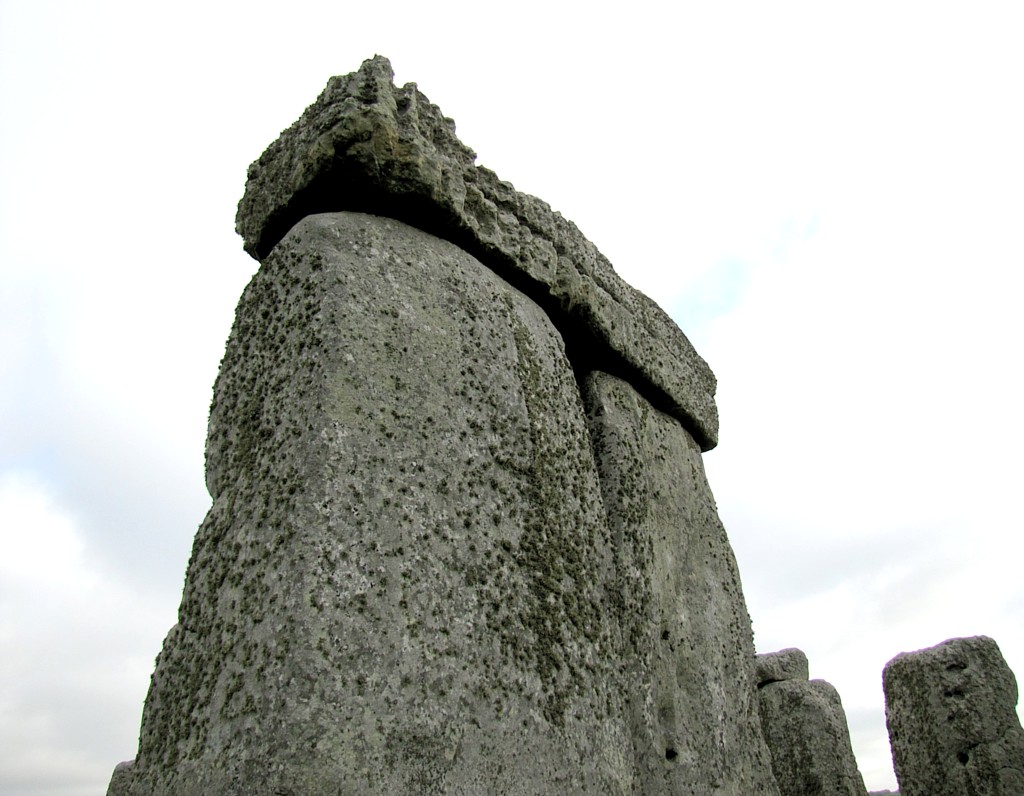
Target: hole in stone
(962, 757)
(664, 635)
(671, 754)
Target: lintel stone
(367, 146)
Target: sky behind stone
(827, 199)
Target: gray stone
(121, 779)
(410, 582)
(369, 146)
(461, 539)
(787, 664)
(805, 727)
(405, 583)
(952, 723)
(692, 704)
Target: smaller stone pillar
(804, 725)
(121, 779)
(952, 724)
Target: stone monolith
(788, 664)
(952, 723)
(805, 726)
(461, 539)
(402, 584)
(121, 779)
(687, 639)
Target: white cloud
(73, 674)
(42, 549)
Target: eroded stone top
(953, 727)
(368, 146)
(774, 667)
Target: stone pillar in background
(121, 779)
(952, 722)
(806, 730)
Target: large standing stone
(121, 779)
(692, 708)
(404, 584)
(805, 727)
(952, 723)
(448, 552)
(787, 664)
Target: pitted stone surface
(121, 779)
(369, 146)
(805, 727)
(405, 584)
(688, 645)
(461, 539)
(952, 723)
(787, 664)
(436, 563)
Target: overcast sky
(828, 198)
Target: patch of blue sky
(792, 232)
(721, 289)
(716, 292)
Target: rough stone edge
(368, 146)
(821, 694)
(773, 667)
(121, 779)
(930, 660)
(941, 653)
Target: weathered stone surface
(368, 146)
(461, 539)
(406, 582)
(692, 705)
(805, 727)
(952, 723)
(442, 558)
(121, 779)
(787, 664)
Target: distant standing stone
(952, 724)
(787, 664)
(121, 779)
(805, 727)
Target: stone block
(693, 704)
(461, 539)
(787, 664)
(952, 722)
(403, 584)
(805, 727)
(121, 779)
